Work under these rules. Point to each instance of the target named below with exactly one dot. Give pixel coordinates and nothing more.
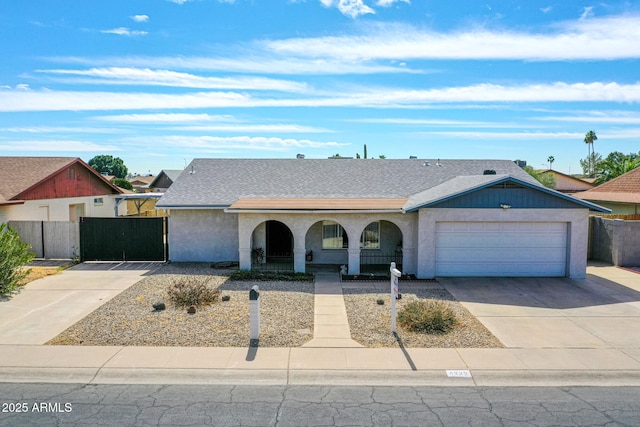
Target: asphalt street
(185, 405)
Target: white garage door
(501, 249)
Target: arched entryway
(380, 244)
(326, 245)
(272, 247)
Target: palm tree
(589, 138)
(550, 159)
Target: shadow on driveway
(554, 293)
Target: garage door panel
(501, 249)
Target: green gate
(123, 239)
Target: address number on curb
(458, 373)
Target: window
(370, 237)
(98, 201)
(71, 174)
(333, 236)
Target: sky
(160, 82)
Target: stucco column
(409, 260)
(244, 255)
(299, 260)
(354, 260)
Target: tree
(122, 183)
(614, 165)
(545, 179)
(551, 159)
(110, 165)
(382, 156)
(13, 256)
(589, 138)
(365, 151)
(594, 159)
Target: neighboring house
(445, 217)
(567, 183)
(621, 194)
(141, 183)
(164, 179)
(53, 189)
(144, 204)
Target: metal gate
(123, 239)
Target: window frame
(377, 233)
(344, 237)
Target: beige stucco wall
(58, 209)
(203, 235)
(353, 223)
(577, 219)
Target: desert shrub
(188, 291)
(13, 256)
(270, 276)
(427, 316)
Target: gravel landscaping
(286, 315)
(129, 318)
(370, 322)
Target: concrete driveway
(46, 307)
(600, 312)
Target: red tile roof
(625, 189)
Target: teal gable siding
(516, 198)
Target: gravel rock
(370, 322)
(286, 315)
(128, 319)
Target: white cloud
(536, 136)
(546, 9)
(178, 1)
(148, 77)
(55, 146)
(247, 63)
(350, 8)
(610, 117)
(140, 18)
(244, 128)
(48, 100)
(171, 118)
(388, 3)
(124, 31)
(440, 122)
(242, 142)
(588, 11)
(603, 38)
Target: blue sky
(160, 82)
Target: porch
(313, 243)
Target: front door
(279, 240)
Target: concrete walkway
(330, 322)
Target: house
(141, 183)
(164, 179)
(621, 194)
(53, 189)
(433, 217)
(143, 203)
(567, 183)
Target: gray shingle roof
(221, 182)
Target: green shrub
(427, 316)
(13, 256)
(188, 291)
(270, 276)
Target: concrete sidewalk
(608, 296)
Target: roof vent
(489, 172)
(427, 164)
(300, 156)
